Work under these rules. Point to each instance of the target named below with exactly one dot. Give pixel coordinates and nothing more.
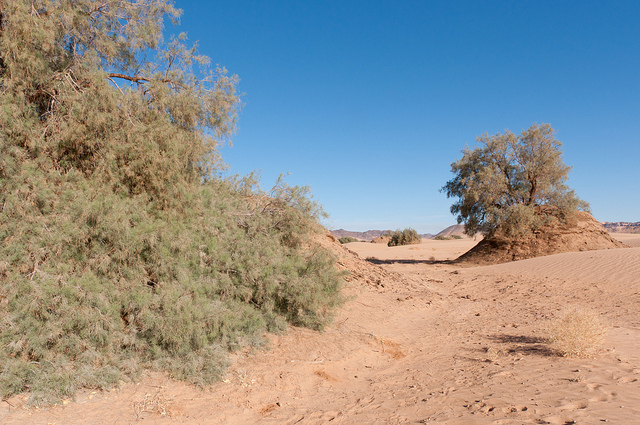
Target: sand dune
(619, 267)
(420, 341)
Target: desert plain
(419, 340)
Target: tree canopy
(91, 85)
(500, 183)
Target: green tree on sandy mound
(502, 183)
(120, 249)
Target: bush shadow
(407, 261)
(524, 344)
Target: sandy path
(448, 345)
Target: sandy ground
(631, 239)
(439, 344)
(429, 251)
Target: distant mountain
(622, 227)
(456, 229)
(364, 236)
(369, 235)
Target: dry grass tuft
(575, 332)
(153, 403)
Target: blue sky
(369, 102)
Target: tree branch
(140, 80)
(128, 77)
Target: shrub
(575, 332)
(347, 239)
(102, 286)
(447, 238)
(404, 237)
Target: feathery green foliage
(121, 247)
(500, 183)
(347, 239)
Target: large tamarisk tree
(501, 183)
(122, 246)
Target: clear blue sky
(369, 102)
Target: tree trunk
(532, 193)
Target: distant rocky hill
(369, 235)
(365, 236)
(622, 227)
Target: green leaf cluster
(500, 183)
(121, 246)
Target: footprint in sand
(576, 405)
(515, 409)
(602, 394)
(558, 420)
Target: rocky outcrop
(622, 227)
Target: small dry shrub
(575, 332)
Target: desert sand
(419, 341)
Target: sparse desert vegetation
(407, 236)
